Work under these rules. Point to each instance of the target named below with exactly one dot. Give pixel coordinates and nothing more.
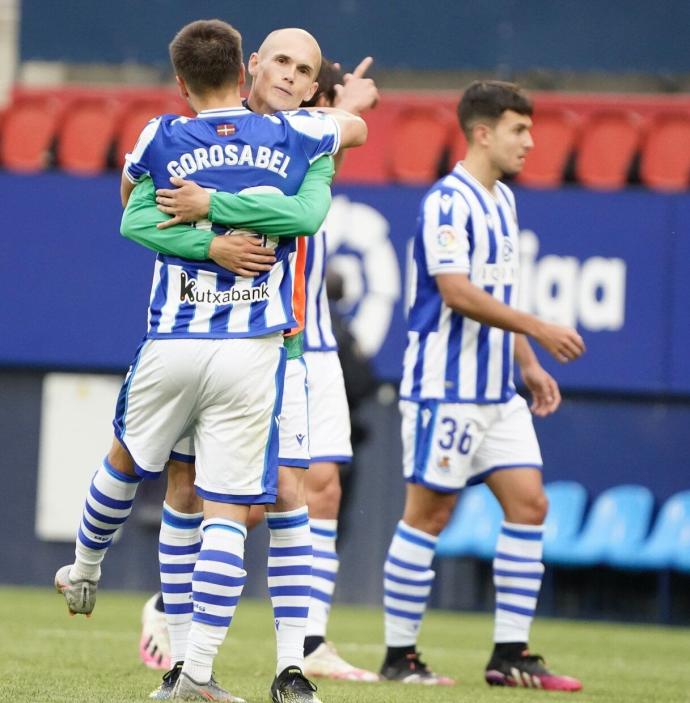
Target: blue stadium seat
(670, 534)
(567, 502)
(473, 528)
(617, 522)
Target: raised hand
(563, 343)
(357, 93)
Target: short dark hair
(207, 55)
(329, 76)
(488, 100)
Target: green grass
(47, 657)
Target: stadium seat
(28, 131)
(473, 528)
(567, 502)
(665, 162)
(419, 138)
(659, 549)
(618, 521)
(607, 145)
(86, 134)
(554, 133)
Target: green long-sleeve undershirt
(267, 213)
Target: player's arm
(546, 397)
(139, 222)
(352, 128)
(268, 213)
(469, 300)
(126, 188)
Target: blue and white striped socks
(518, 572)
(217, 584)
(324, 573)
(107, 506)
(289, 582)
(178, 549)
(407, 581)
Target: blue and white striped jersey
(231, 150)
(318, 330)
(462, 228)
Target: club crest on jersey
(225, 130)
(191, 293)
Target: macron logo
(300, 438)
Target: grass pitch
(47, 657)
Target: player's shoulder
(309, 122)
(444, 193)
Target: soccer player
(462, 421)
(213, 359)
(329, 427)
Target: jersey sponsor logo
(225, 130)
(190, 292)
(217, 155)
(496, 274)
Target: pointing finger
(363, 67)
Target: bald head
(284, 70)
(280, 40)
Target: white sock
(407, 581)
(178, 549)
(107, 506)
(324, 572)
(289, 582)
(518, 572)
(217, 584)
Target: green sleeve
(139, 222)
(276, 214)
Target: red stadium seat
(86, 134)
(28, 131)
(419, 138)
(607, 146)
(554, 133)
(665, 162)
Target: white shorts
(226, 394)
(329, 415)
(293, 435)
(449, 445)
(294, 440)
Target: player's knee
(324, 498)
(532, 509)
(430, 521)
(181, 493)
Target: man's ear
(253, 63)
(182, 87)
(311, 92)
(242, 78)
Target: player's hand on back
(242, 253)
(563, 343)
(187, 202)
(357, 93)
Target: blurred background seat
(607, 146)
(420, 137)
(86, 135)
(567, 502)
(28, 131)
(617, 522)
(665, 160)
(555, 133)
